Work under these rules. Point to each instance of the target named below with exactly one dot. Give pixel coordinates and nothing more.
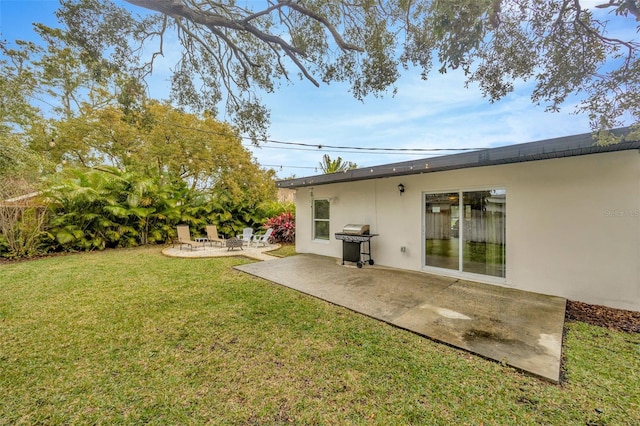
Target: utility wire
(280, 166)
(355, 149)
(323, 146)
(335, 151)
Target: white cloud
(438, 113)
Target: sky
(438, 113)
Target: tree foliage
(117, 168)
(231, 48)
(157, 140)
(16, 83)
(93, 209)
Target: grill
(354, 237)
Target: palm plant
(334, 166)
(103, 208)
(78, 222)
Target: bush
(22, 230)
(274, 208)
(284, 228)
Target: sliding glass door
(441, 221)
(465, 231)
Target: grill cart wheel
(359, 264)
(370, 261)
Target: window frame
(460, 270)
(315, 220)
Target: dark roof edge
(568, 146)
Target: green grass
(284, 250)
(132, 337)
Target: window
(321, 219)
(465, 231)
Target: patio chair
(213, 237)
(247, 235)
(263, 238)
(184, 237)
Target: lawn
(284, 250)
(131, 337)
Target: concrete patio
(521, 329)
(257, 253)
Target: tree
(67, 85)
(334, 166)
(17, 118)
(16, 83)
(98, 115)
(229, 49)
(59, 75)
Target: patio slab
(521, 329)
(257, 253)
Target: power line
(280, 166)
(343, 149)
(338, 152)
(322, 146)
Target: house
(286, 195)
(27, 200)
(558, 217)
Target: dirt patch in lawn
(615, 319)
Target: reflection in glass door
(442, 237)
(484, 232)
(465, 231)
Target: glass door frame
(459, 273)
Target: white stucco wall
(572, 227)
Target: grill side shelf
(351, 238)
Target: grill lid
(355, 229)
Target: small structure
(26, 200)
(233, 242)
(286, 195)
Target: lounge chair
(247, 235)
(184, 237)
(263, 238)
(212, 236)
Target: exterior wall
(286, 195)
(572, 227)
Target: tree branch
(213, 21)
(631, 47)
(336, 36)
(624, 6)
